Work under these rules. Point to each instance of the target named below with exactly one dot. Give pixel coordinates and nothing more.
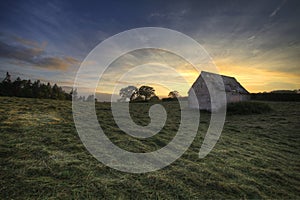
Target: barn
(235, 92)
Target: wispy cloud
(34, 55)
(242, 37)
(170, 16)
(277, 9)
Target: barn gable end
(235, 92)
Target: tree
(74, 94)
(36, 89)
(138, 99)
(174, 94)
(49, 90)
(90, 98)
(154, 98)
(7, 78)
(24, 88)
(55, 92)
(43, 92)
(128, 92)
(146, 91)
(6, 86)
(17, 84)
(27, 91)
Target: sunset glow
(255, 42)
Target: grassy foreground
(42, 157)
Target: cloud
(27, 42)
(53, 62)
(172, 16)
(277, 9)
(34, 55)
(148, 66)
(250, 35)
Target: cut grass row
(42, 156)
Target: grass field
(42, 157)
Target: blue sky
(258, 42)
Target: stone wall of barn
(200, 98)
(233, 97)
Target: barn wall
(202, 94)
(192, 101)
(236, 97)
(202, 103)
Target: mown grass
(248, 107)
(42, 156)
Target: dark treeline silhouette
(274, 96)
(172, 96)
(36, 89)
(145, 94)
(134, 94)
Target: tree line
(37, 89)
(29, 89)
(144, 94)
(276, 96)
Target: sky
(257, 42)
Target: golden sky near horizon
(166, 72)
(257, 42)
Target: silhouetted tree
(17, 86)
(28, 89)
(90, 98)
(81, 98)
(154, 98)
(48, 90)
(24, 88)
(146, 91)
(138, 99)
(6, 86)
(174, 94)
(128, 92)
(7, 78)
(36, 89)
(74, 94)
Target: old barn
(235, 92)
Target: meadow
(42, 157)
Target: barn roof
(230, 83)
